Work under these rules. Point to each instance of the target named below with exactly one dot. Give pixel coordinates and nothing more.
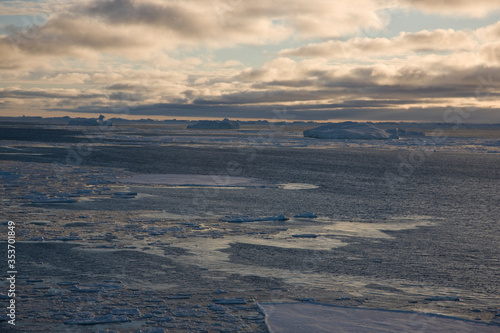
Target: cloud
(489, 33)
(48, 93)
(123, 96)
(477, 8)
(32, 8)
(350, 110)
(430, 78)
(69, 35)
(491, 53)
(134, 29)
(422, 41)
(158, 56)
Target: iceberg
(215, 124)
(347, 130)
(100, 121)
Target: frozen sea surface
(423, 238)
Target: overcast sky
(301, 59)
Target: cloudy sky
(302, 59)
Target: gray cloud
(124, 96)
(172, 16)
(66, 35)
(422, 41)
(39, 93)
(123, 86)
(159, 54)
(131, 28)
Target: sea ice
(52, 200)
(125, 194)
(78, 224)
(229, 301)
(311, 317)
(305, 235)
(241, 219)
(297, 186)
(153, 329)
(308, 215)
(195, 180)
(126, 312)
(443, 298)
(178, 297)
(109, 319)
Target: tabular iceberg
(347, 130)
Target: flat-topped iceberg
(347, 130)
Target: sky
(378, 60)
